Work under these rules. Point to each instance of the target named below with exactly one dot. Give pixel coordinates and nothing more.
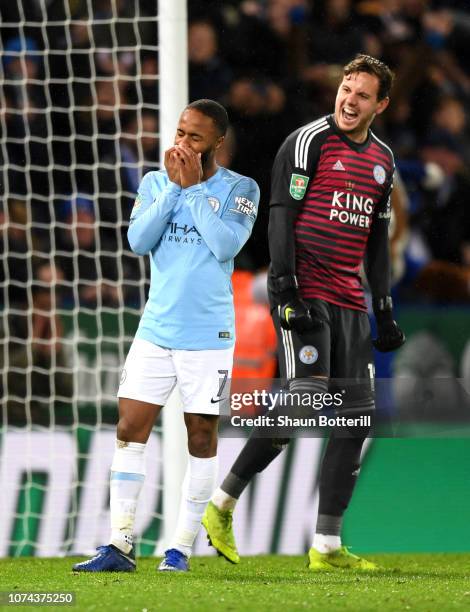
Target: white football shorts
(151, 372)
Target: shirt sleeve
(281, 238)
(383, 210)
(289, 184)
(150, 215)
(225, 235)
(293, 168)
(378, 266)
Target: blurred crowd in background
(79, 127)
(85, 121)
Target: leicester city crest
(379, 174)
(308, 354)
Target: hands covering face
(183, 166)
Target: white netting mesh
(78, 129)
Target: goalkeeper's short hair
(371, 65)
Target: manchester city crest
(214, 202)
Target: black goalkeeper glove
(389, 335)
(296, 315)
(294, 312)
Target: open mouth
(348, 115)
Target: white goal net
(79, 123)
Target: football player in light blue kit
(192, 218)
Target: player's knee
(353, 432)
(202, 434)
(126, 431)
(359, 432)
(362, 423)
(202, 443)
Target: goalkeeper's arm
(378, 272)
(294, 312)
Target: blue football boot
(174, 561)
(108, 559)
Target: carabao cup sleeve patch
(298, 186)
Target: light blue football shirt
(192, 236)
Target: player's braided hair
(214, 110)
(371, 65)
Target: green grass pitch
(421, 582)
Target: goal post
(173, 98)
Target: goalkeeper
(330, 209)
(193, 218)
